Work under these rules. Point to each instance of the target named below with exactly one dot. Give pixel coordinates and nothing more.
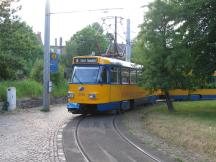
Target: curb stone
(59, 143)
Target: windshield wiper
(77, 78)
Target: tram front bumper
(73, 106)
(88, 108)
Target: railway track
(127, 140)
(78, 143)
(116, 131)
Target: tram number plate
(81, 94)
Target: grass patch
(179, 159)
(44, 110)
(24, 88)
(31, 88)
(192, 126)
(60, 90)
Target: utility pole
(128, 42)
(115, 38)
(46, 72)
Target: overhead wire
(79, 11)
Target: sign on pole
(53, 62)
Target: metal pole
(128, 47)
(46, 74)
(60, 44)
(115, 37)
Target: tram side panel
(130, 94)
(199, 94)
(116, 95)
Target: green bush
(60, 90)
(33, 87)
(59, 83)
(58, 77)
(24, 88)
(37, 71)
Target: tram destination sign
(85, 60)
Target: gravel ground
(32, 135)
(133, 121)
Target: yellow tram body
(108, 95)
(208, 92)
(102, 92)
(107, 84)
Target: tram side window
(211, 83)
(115, 75)
(133, 76)
(125, 75)
(139, 74)
(103, 75)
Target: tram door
(115, 84)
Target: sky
(65, 25)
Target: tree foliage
(7, 11)
(87, 40)
(163, 68)
(19, 46)
(37, 73)
(137, 51)
(199, 29)
(177, 39)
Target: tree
(199, 30)
(20, 43)
(178, 44)
(88, 40)
(84, 42)
(97, 27)
(137, 50)
(19, 46)
(166, 63)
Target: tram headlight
(92, 96)
(70, 95)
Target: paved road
(32, 135)
(99, 142)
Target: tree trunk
(169, 102)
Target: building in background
(58, 48)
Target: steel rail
(117, 130)
(78, 143)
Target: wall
(36, 102)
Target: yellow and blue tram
(101, 84)
(206, 92)
(193, 95)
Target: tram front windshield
(86, 74)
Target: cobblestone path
(29, 135)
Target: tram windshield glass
(89, 74)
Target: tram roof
(107, 60)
